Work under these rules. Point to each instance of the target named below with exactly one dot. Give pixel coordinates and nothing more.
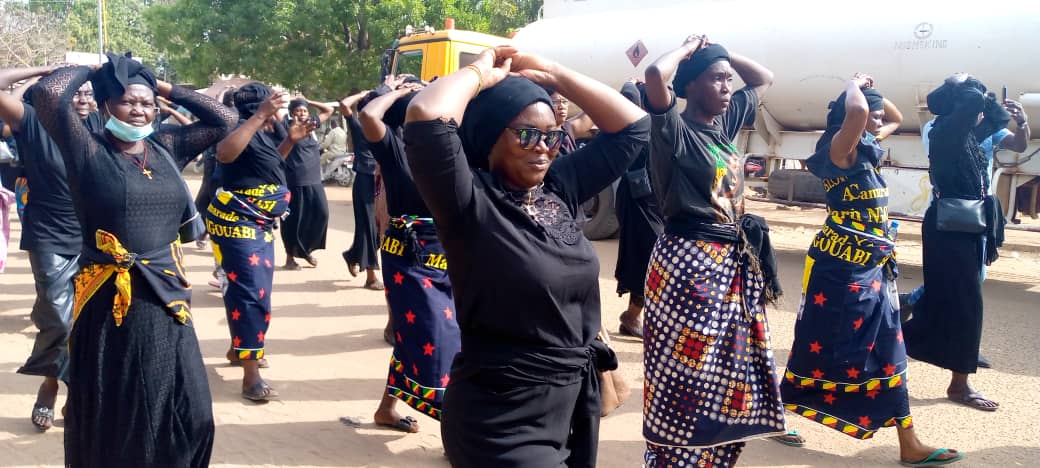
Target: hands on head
(863, 80)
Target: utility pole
(100, 33)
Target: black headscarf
(836, 115)
(394, 116)
(249, 97)
(635, 93)
(117, 74)
(488, 114)
(692, 67)
(942, 100)
(297, 103)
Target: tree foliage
(321, 47)
(26, 36)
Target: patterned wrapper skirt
(418, 293)
(710, 382)
(847, 368)
(240, 223)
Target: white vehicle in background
(812, 47)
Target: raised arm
(755, 76)
(659, 73)
(11, 108)
(371, 117)
(164, 107)
(1018, 141)
(236, 142)
(296, 132)
(52, 98)
(447, 97)
(346, 105)
(324, 110)
(843, 145)
(893, 120)
(187, 142)
(607, 108)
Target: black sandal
(404, 424)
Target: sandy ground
(328, 360)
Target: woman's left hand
(299, 131)
(494, 65)
(535, 68)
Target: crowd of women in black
(492, 289)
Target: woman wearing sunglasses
(523, 390)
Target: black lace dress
(138, 393)
(526, 285)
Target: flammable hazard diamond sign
(636, 53)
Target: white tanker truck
(812, 47)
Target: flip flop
(791, 439)
(292, 267)
(313, 261)
(44, 412)
(933, 459)
(260, 391)
(972, 400)
(404, 424)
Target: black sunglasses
(529, 138)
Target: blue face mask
(869, 138)
(126, 132)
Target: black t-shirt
(303, 166)
(49, 223)
(364, 162)
(402, 198)
(697, 171)
(516, 282)
(260, 163)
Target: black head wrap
(692, 67)
(836, 115)
(635, 93)
(297, 103)
(249, 97)
(117, 74)
(488, 114)
(394, 116)
(943, 99)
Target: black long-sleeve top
(364, 162)
(402, 197)
(108, 188)
(517, 281)
(956, 163)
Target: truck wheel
(796, 185)
(602, 221)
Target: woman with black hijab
(138, 393)
(946, 330)
(304, 230)
(523, 390)
(705, 334)
(363, 252)
(848, 368)
(640, 224)
(241, 218)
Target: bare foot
(290, 264)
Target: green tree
(321, 47)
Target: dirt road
(328, 360)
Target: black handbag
(639, 183)
(960, 215)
